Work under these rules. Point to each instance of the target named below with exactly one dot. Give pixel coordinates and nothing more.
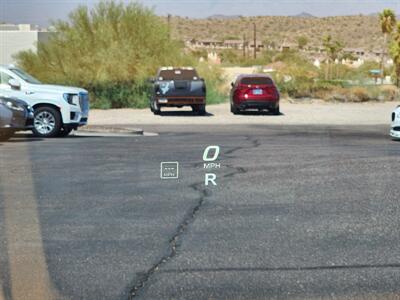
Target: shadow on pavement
(183, 114)
(259, 113)
(19, 138)
(23, 138)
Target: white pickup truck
(395, 128)
(57, 109)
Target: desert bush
(295, 76)
(232, 57)
(215, 81)
(390, 93)
(363, 94)
(360, 94)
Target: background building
(15, 38)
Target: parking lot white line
(29, 275)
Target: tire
(155, 108)
(5, 135)
(65, 132)
(234, 110)
(47, 122)
(199, 109)
(276, 111)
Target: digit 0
(207, 152)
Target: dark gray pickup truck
(178, 87)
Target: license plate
(257, 92)
(162, 100)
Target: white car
(395, 130)
(57, 109)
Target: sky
(40, 12)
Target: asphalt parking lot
(299, 212)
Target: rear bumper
(180, 101)
(251, 104)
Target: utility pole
(244, 45)
(255, 41)
(169, 25)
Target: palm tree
(388, 22)
(395, 52)
(332, 49)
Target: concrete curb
(111, 129)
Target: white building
(16, 38)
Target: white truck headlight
(75, 99)
(72, 99)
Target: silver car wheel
(44, 122)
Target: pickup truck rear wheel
(199, 109)
(155, 108)
(47, 122)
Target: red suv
(254, 91)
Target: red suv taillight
(256, 91)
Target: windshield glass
(256, 80)
(232, 149)
(178, 74)
(25, 76)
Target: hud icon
(169, 170)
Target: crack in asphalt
(174, 242)
(237, 170)
(254, 143)
(285, 269)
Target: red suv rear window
(256, 80)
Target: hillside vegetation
(353, 31)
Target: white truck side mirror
(15, 84)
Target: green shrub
(112, 42)
(215, 82)
(119, 95)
